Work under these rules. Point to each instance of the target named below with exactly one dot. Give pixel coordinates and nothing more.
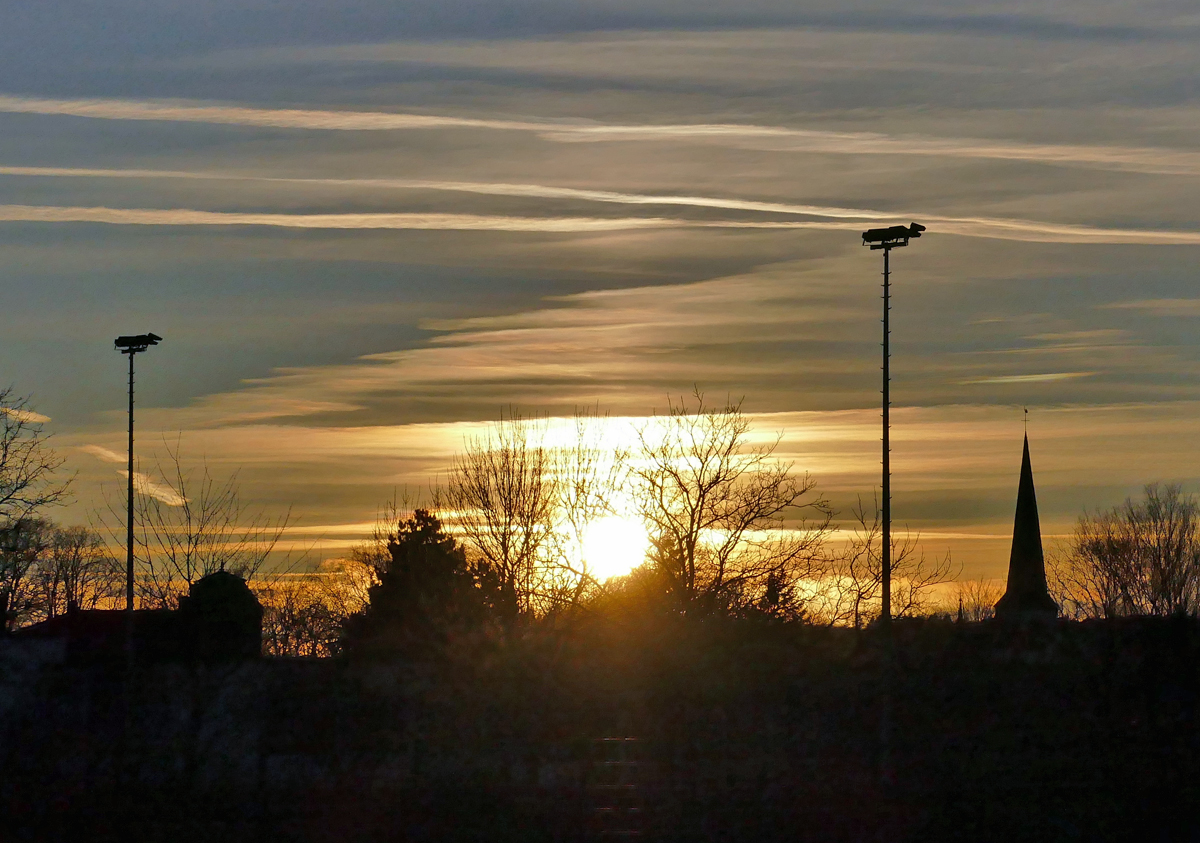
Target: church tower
(1027, 596)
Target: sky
(365, 229)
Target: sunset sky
(364, 229)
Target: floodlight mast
(131, 345)
(893, 237)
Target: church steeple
(1027, 595)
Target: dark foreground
(746, 731)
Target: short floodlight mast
(131, 345)
(892, 237)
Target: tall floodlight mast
(887, 239)
(131, 345)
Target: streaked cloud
(1000, 229)
(23, 415)
(400, 221)
(142, 482)
(777, 138)
(1159, 307)
(147, 485)
(229, 115)
(102, 453)
(1047, 377)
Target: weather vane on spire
(1026, 421)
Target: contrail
(991, 227)
(230, 115)
(1022, 230)
(421, 222)
(1149, 160)
(534, 191)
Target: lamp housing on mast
(892, 237)
(135, 343)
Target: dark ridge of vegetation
(748, 728)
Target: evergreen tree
(427, 590)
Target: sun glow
(614, 545)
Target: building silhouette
(1027, 596)
(219, 619)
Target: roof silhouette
(1026, 595)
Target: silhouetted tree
(588, 475)
(189, 524)
(852, 590)
(76, 571)
(304, 614)
(1139, 558)
(975, 600)
(727, 517)
(27, 464)
(523, 508)
(46, 570)
(502, 493)
(22, 543)
(428, 590)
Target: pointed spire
(1027, 595)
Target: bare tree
(587, 474)
(189, 524)
(304, 614)
(27, 464)
(1139, 558)
(975, 600)
(523, 507)
(501, 494)
(23, 543)
(76, 571)
(854, 594)
(730, 521)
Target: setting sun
(613, 546)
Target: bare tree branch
(27, 463)
(854, 592)
(718, 509)
(189, 524)
(1140, 558)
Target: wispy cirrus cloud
(102, 453)
(1149, 160)
(1046, 377)
(399, 221)
(142, 482)
(1158, 307)
(147, 485)
(231, 115)
(1000, 229)
(24, 416)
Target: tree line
(733, 531)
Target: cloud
(146, 486)
(24, 416)
(1048, 377)
(100, 452)
(1158, 307)
(1001, 229)
(277, 118)
(141, 482)
(400, 221)
(1149, 160)
(1133, 159)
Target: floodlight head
(892, 237)
(135, 343)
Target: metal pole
(886, 611)
(129, 508)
